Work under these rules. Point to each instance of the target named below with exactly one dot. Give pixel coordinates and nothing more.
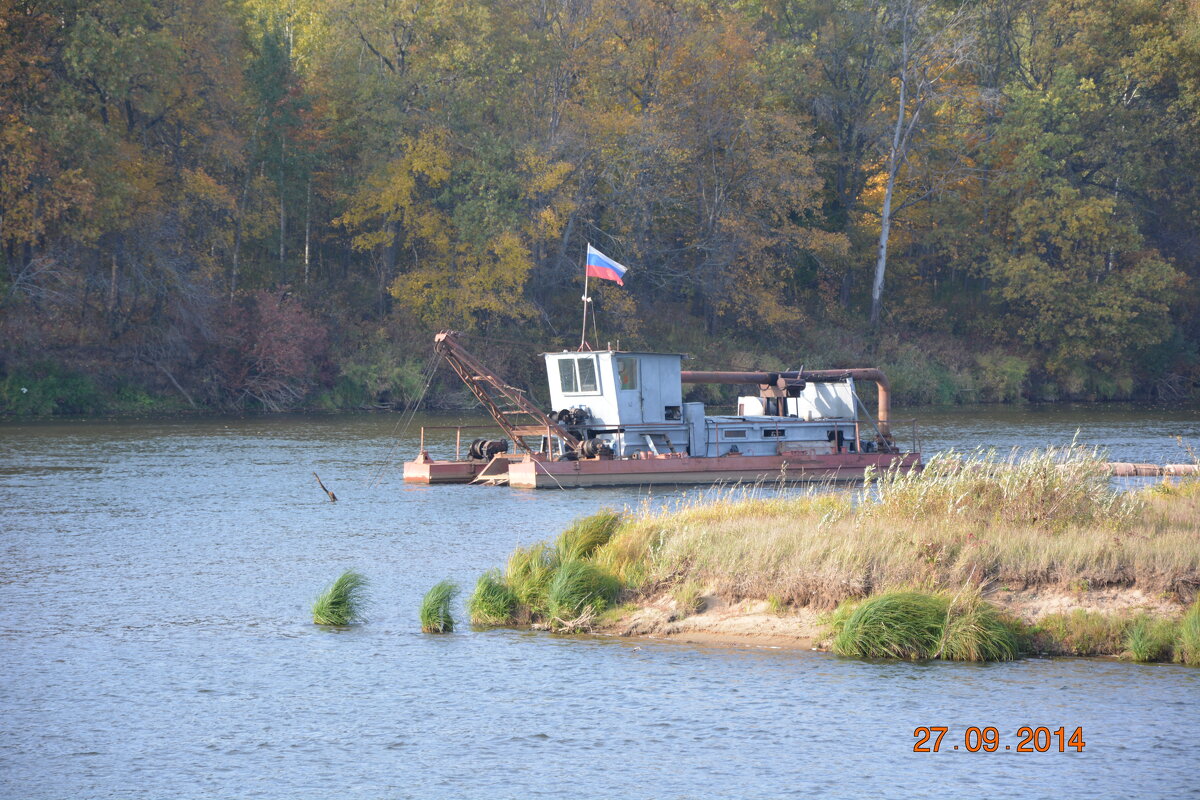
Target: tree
(930, 47)
(1078, 280)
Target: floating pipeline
(1126, 469)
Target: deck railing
(914, 433)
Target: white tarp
(825, 401)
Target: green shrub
(1187, 642)
(579, 586)
(917, 379)
(492, 602)
(586, 535)
(1001, 378)
(341, 603)
(47, 388)
(435, 608)
(374, 377)
(129, 398)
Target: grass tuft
(914, 625)
(1149, 639)
(528, 575)
(975, 630)
(586, 535)
(492, 602)
(579, 588)
(435, 608)
(341, 603)
(904, 625)
(1187, 644)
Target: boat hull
(685, 470)
(429, 471)
(425, 470)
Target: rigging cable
(430, 370)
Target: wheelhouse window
(566, 374)
(627, 371)
(578, 375)
(587, 374)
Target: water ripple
(156, 642)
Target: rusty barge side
(688, 470)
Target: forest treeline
(275, 203)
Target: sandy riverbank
(754, 623)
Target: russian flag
(601, 266)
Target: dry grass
(1050, 520)
(688, 597)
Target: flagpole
(583, 327)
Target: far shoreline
(451, 410)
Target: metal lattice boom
(494, 394)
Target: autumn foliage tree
(1012, 179)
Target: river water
(155, 581)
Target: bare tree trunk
(237, 237)
(894, 157)
(307, 227)
(282, 217)
(885, 228)
(241, 212)
(112, 286)
(175, 383)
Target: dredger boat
(621, 420)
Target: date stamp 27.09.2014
(1030, 739)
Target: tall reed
(1048, 488)
(341, 603)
